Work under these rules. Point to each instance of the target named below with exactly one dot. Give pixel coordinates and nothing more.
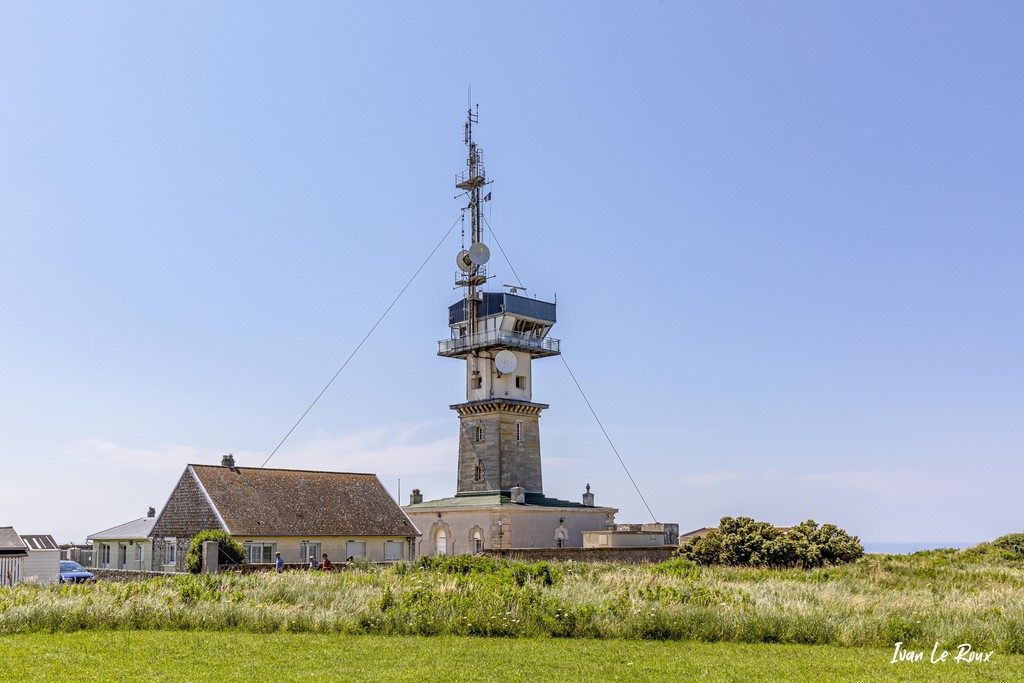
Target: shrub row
(744, 542)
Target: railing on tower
(540, 346)
(467, 180)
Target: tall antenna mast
(472, 181)
(476, 177)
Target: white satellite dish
(462, 260)
(479, 253)
(505, 361)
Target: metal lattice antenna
(471, 181)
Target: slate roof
(135, 529)
(40, 542)
(471, 500)
(255, 501)
(11, 543)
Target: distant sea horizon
(908, 547)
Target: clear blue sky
(786, 241)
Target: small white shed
(13, 552)
(43, 562)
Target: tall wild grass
(947, 596)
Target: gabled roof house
(299, 513)
(125, 546)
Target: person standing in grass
(279, 563)
(312, 563)
(326, 564)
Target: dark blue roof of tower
(498, 303)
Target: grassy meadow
(950, 597)
(86, 656)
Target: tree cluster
(743, 541)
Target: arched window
(441, 542)
(478, 542)
(478, 472)
(560, 538)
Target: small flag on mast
(487, 197)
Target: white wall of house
(42, 566)
(454, 531)
(622, 539)
(295, 550)
(123, 553)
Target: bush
(742, 541)
(1011, 542)
(230, 550)
(986, 552)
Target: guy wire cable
(576, 382)
(360, 344)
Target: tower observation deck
(503, 320)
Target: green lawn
(101, 655)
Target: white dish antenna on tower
(462, 260)
(479, 253)
(505, 361)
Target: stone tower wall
(498, 461)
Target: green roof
(473, 500)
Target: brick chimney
(415, 497)
(588, 498)
(228, 460)
(151, 512)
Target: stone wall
(125, 575)
(503, 460)
(290, 567)
(623, 555)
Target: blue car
(72, 572)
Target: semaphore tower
(497, 335)
(499, 500)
